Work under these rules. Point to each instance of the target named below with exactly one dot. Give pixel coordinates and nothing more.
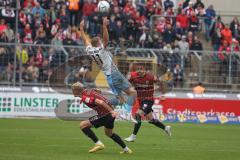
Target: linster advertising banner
(62, 106)
(29, 104)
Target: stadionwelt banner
(195, 109)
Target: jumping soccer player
(95, 48)
(144, 82)
(106, 116)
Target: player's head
(77, 89)
(96, 41)
(141, 70)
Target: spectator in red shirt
(39, 57)
(227, 34)
(150, 4)
(158, 9)
(27, 29)
(88, 8)
(183, 20)
(129, 9)
(193, 22)
(22, 18)
(28, 38)
(224, 52)
(25, 4)
(140, 19)
(3, 26)
(56, 27)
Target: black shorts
(98, 121)
(146, 106)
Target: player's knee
(149, 117)
(152, 121)
(84, 124)
(133, 92)
(138, 118)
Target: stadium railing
(29, 65)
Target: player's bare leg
(158, 124)
(151, 120)
(137, 126)
(132, 94)
(85, 126)
(118, 140)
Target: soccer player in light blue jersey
(96, 49)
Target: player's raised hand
(105, 21)
(82, 25)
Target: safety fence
(25, 64)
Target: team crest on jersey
(87, 100)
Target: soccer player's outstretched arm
(85, 38)
(105, 32)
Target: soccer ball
(103, 6)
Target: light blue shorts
(117, 82)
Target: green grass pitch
(52, 139)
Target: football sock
(157, 123)
(118, 140)
(126, 149)
(137, 125)
(88, 132)
(98, 142)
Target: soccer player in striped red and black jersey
(143, 82)
(105, 117)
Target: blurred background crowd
(170, 25)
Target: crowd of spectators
(170, 25)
